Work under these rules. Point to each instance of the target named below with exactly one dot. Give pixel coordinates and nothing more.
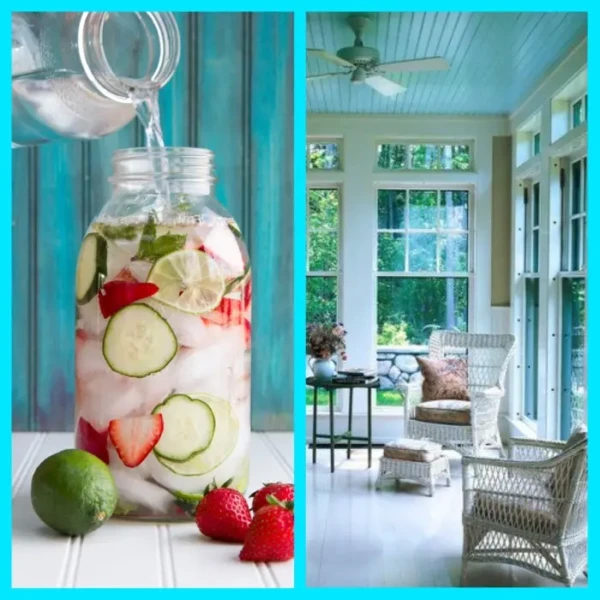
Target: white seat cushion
(447, 412)
(412, 450)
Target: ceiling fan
(362, 62)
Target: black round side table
(347, 436)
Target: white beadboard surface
(136, 554)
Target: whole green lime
(73, 492)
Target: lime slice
(188, 280)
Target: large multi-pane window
(531, 235)
(322, 259)
(422, 267)
(573, 296)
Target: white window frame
(423, 142)
(567, 271)
(336, 274)
(528, 273)
(469, 275)
(559, 144)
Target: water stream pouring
(84, 75)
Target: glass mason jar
(74, 75)
(163, 292)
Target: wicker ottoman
(416, 460)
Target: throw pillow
(444, 378)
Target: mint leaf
(148, 237)
(118, 232)
(152, 248)
(165, 244)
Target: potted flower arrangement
(323, 343)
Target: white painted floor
(396, 537)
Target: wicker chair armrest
(524, 449)
(491, 392)
(412, 393)
(508, 479)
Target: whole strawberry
(284, 492)
(223, 514)
(271, 534)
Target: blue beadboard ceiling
(496, 59)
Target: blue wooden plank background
(233, 94)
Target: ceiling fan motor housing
(359, 55)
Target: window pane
(536, 144)
(391, 156)
(454, 252)
(323, 251)
(409, 308)
(390, 209)
(425, 156)
(535, 267)
(576, 245)
(577, 113)
(446, 157)
(422, 252)
(573, 355)
(322, 395)
(584, 177)
(526, 229)
(461, 157)
(391, 250)
(531, 347)
(323, 209)
(422, 209)
(454, 210)
(323, 156)
(536, 204)
(321, 299)
(576, 187)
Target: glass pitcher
(74, 74)
(163, 292)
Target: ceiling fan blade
(384, 86)
(324, 76)
(419, 64)
(332, 58)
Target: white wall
(358, 179)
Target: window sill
(519, 428)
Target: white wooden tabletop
(136, 554)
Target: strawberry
(284, 492)
(271, 534)
(115, 295)
(223, 514)
(134, 437)
(91, 441)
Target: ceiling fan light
(358, 75)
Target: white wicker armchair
(487, 357)
(529, 511)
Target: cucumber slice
(138, 341)
(189, 427)
(91, 267)
(222, 445)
